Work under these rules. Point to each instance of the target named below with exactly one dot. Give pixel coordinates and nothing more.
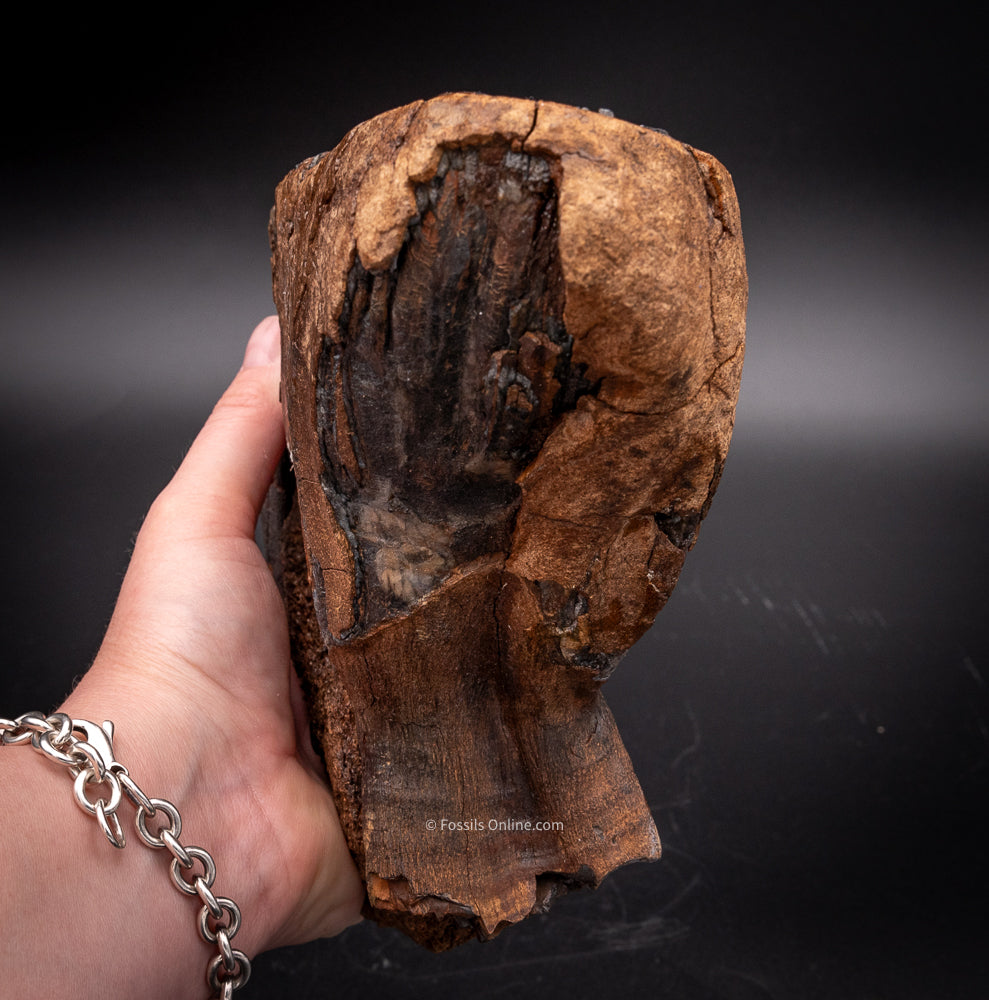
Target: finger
(222, 481)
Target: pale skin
(195, 674)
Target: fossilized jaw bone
(512, 339)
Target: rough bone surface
(512, 340)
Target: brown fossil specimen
(512, 340)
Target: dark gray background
(810, 715)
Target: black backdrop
(810, 715)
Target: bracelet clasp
(100, 738)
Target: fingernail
(264, 347)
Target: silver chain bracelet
(86, 749)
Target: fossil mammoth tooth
(512, 341)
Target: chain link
(86, 749)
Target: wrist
(172, 816)
(169, 756)
(234, 785)
(76, 910)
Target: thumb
(223, 478)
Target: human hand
(196, 675)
